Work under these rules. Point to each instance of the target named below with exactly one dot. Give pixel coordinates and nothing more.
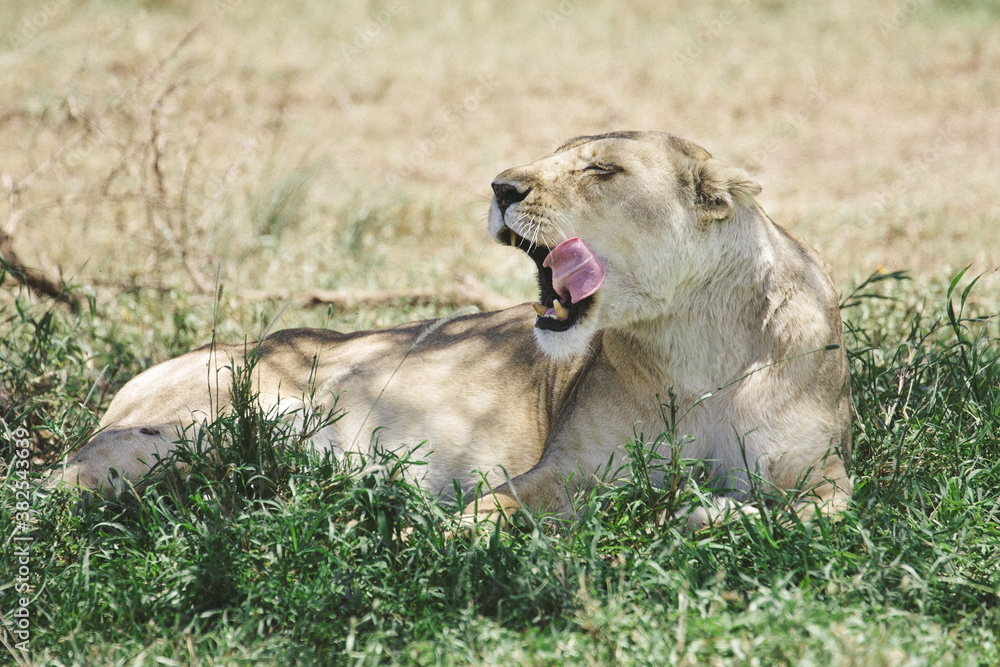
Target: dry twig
(37, 280)
(465, 290)
(10, 261)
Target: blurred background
(149, 147)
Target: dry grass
(352, 146)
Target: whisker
(520, 218)
(481, 227)
(482, 249)
(481, 231)
(557, 229)
(536, 232)
(569, 223)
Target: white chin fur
(564, 345)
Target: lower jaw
(564, 345)
(556, 326)
(572, 314)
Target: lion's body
(689, 290)
(469, 389)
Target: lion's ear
(719, 189)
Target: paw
(697, 520)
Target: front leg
(828, 494)
(543, 489)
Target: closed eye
(602, 168)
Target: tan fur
(703, 296)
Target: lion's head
(616, 223)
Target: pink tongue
(576, 271)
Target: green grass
(270, 554)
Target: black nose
(507, 194)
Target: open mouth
(568, 277)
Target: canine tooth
(512, 236)
(561, 310)
(540, 309)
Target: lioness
(658, 273)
